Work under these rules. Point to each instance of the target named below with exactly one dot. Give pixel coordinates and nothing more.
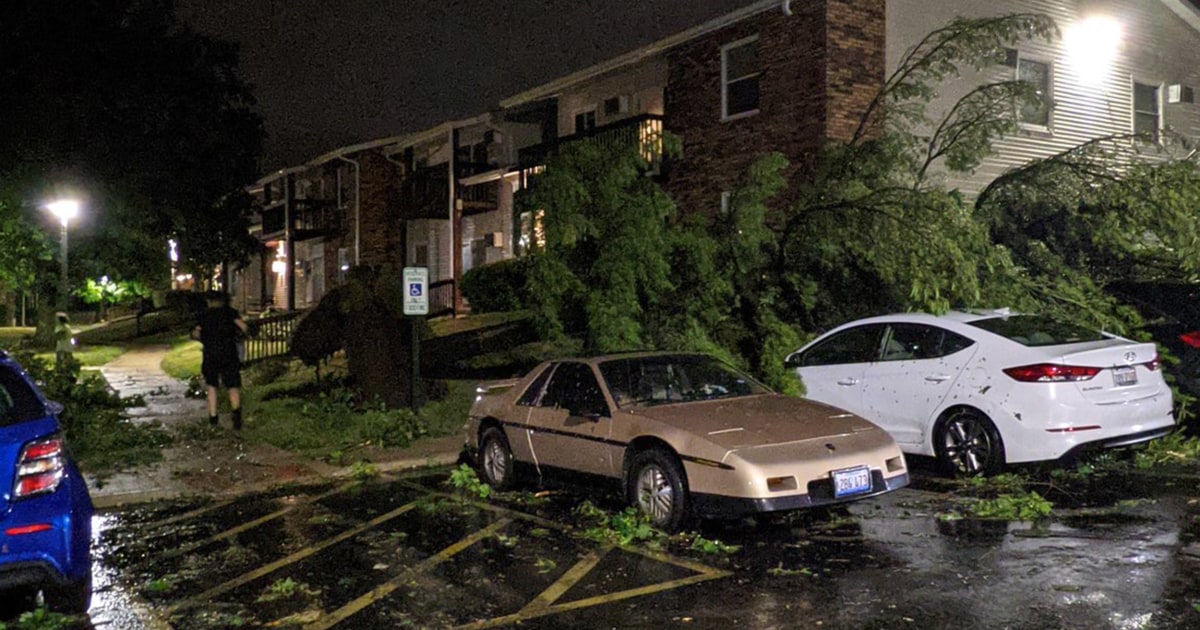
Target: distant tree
(106, 292)
(23, 250)
(117, 102)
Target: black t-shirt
(219, 333)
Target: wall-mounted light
(1092, 44)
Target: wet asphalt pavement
(400, 551)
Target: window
(574, 389)
(856, 345)
(909, 342)
(531, 395)
(585, 121)
(1146, 110)
(18, 402)
(616, 105)
(740, 70)
(1034, 330)
(1037, 74)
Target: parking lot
(409, 551)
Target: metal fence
(270, 336)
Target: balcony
(643, 131)
(311, 218)
(425, 194)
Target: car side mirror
(792, 361)
(54, 407)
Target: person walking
(64, 340)
(220, 329)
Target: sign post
(416, 305)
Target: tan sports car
(684, 433)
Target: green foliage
(623, 528)
(363, 470)
(1174, 449)
(106, 292)
(497, 287)
(283, 588)
(42, 619)
(1022, 506)
(709, 546)
(466, 482)
(545, 565)
(160, 586)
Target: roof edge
(558, 85)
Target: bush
(497, 287)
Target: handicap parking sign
(417, 300)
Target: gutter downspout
(357, 204)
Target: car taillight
(40, 468)
(1051, 373)
(1153, 364)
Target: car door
(570, 425)
(915, 372)
(832, 368)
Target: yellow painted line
(295, 557)
(564, 583)
(248, 525)
(201, 511)
(383, 590)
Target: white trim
(725, 115)
(1134, 81)
(1047, 128)
(1186, 11)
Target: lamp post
(65, 210)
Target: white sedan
(978, 390)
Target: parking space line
(237, 529)
(564, 583)
(201, 511)
(293, 558)
(383, 590)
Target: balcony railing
(425, 194)
(643, 132)
(310, 218)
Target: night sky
(333, 73)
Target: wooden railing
(270, 336)
(441, 298)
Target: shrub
(497, 287)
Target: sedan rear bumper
(819, 493)
(1119, 441)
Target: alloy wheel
(656, 497)
(968, 446)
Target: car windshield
(661, 379)
(1035, 330)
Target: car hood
(750, 421)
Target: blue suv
(45, 510)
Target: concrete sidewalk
(225, 464)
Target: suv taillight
(1051, 373)
(40, 468)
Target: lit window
(740, 70)
(1146, 111)
(1037, 75)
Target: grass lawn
(183, 359)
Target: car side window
(574, 387)
(531, 395)
(855, 345)
(18, 402)
(908, 342)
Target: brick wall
(381, 232)
(820, 67)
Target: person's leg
(212, 405)
(235, 403)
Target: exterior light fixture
(1092, 44)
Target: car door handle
(848, 382)
(937, 378)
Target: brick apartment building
(775, 75)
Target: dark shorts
(218, 373)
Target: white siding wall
(1157, 47)
(643, 84)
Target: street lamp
(65, 210)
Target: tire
(968, 445)
(656, 486)
(496, 459)
(70, 599)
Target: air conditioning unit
(495, 239)
(1177, 93)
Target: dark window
(585, 121)
(616, 105)
(740, 70)
(1146, 110)
(530, 397)
(575, 389)
(1034, 330)
(919, 341)
(856, 345)
(18, 401)
(1037, 74)
(672, 378)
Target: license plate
(1125, 376)
(851, 481)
